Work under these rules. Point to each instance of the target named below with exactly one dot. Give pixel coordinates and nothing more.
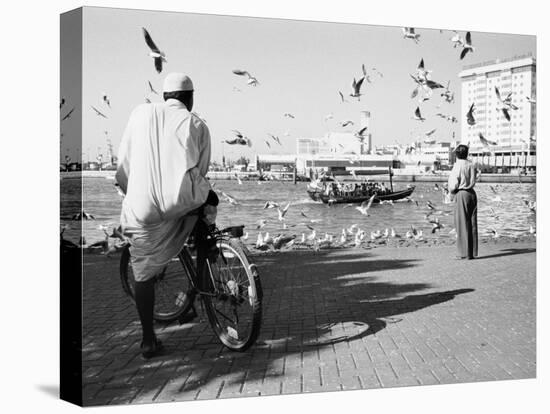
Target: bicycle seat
(234, 231)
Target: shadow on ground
(508, 252)
(312, 301)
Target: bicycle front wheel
(171, 286)
(234, 299)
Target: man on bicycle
(163, 160)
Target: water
(511, 217)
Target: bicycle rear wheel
(171, 286)
(234, 305)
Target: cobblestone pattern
(333, 320)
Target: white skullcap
(177, 82)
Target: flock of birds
(354, 235)
(424, 87)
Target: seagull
(61, 103)
(418, 115)
(507, 102)
(409, 33)
(98, 112)
(252, 81)
(365, 205)
(457, 40)
(238, 179)
(448, 95)
(151, 89)
(421, 71)
(288, 115)
(275, 138)
(157, 55)
(230, 199)
(147, 100)
(344, 124)
(467, 46)
(485, 142)
(329, 116)
(342, 97)
(394, 234)
(106, 99)
(261, 224)
(494, 233)
(268, 144)
(505, 113)
(356, 86)
(240, 139)
(470, 115)
(375, 235)
(260, 242)
(282, 212)
(68, 114)
(429, 133)
(359, 134)
(530, 100)
(270, 204)
(83, 216)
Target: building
(515, 138)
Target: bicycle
(228, 285)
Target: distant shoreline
(397, 177)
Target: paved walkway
(333, 320)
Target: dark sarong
(466, 223)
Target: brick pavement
(333, 320)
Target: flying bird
(61, 103)
(151, 89)
(485, 142)
(230, 199)
(288, 115)
(99, 113)
(282, 212)
(418, 115)
(252, 81)
(68, 114)
(345, 123)
(147, 100)
(470, 115)
(448, 95)
(106, 100)
(530, 100)
(467, 46)
(409, 33)
(239, 140)
(365, 205)
(457, 39)
(359, 134)
(421, 71)
(342, 96)
(430, 133)
(275, 138)
(356, 88)
(157, 55)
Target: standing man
(462, 180)
(162, 164)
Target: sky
(300, 65)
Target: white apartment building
(516, 75)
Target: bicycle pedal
(188, 317)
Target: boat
(319, 193)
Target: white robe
(162, 164)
